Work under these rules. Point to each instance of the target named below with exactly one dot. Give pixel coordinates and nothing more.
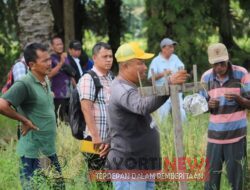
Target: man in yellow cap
(228, 97)
(134, 136)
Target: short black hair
(55, 37)
(30, 52)
(100, 45)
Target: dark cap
(75, 45)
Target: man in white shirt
(170, 63)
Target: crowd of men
(119, 120)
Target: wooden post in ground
(178, 133)
(173, 91)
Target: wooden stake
(153, 81)
(195, 78)
(141, 90)
(178, 133)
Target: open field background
(74, 170)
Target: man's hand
(167, 72)
(179, 78)
(244, 102)
(62, 58)
(231, 96)
(162, 74)
(213, 103)
(96, 141)
(27, 126)
(104, 149)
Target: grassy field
(73, 166)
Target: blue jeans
(133, 185)
(164, 110)
(31, 167)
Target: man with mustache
(228, 98)
(94, 108)
(167, 62)
(133, 134)
(62, 78)
(32, 98)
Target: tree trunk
(68, 20)
(57, 10)
(35, 21)
(225, 24)
(223, 20)
(113, 14)
(79, 15)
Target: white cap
(167, 42)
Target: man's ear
(31, 64)
(94, 58)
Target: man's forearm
(6, 110)
(55, 70)
(86, 107)
(157, 76)
(244, 102)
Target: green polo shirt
(36, 103)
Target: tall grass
(74, 168)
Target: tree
(113, 15)
(183, 21)
(69, 18)
(223, 20)
(231, 26)
(35, 21)
(57, 10)
(9, 48)
(69, 24)
(195, 24)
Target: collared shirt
(77, 61)
(86, 90)
(133, 133)
(35, 102)
(227, 123)
(19, 70)
(160, 63)
(61, 83)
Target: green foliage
(7, 127)
(183, 21)
(9, 47)
(74, 168)
(95, 17)
(134, 17)
(194, 24)
(9, 178)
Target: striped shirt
(86, 90)
(227, 123)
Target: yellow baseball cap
(131, 50)
(217, 53)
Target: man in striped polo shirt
(228, 97)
